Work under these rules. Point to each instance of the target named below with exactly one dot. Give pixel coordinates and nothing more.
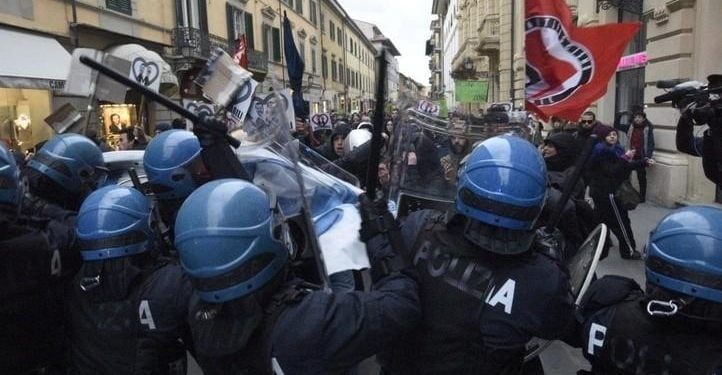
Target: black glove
(550, 243)
(210, 131)
(375, 218)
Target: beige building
(339, 59)
(37, 36)
(679, 39)
(478, 40)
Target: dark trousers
(605, 214)
(642, 178)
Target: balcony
(489, 35)
(190, 42)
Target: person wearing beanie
(610, 167)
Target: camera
(699, 104)
(693, 98)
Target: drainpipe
(512, 91)
(74, 25)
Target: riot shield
(428, 152)
(583, 264)
(582, 267)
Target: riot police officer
(250, 315)
(37, 256)
(66, 169)
(174, 167)
(485, 290)
(676, 327)
(128, 306)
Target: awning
(168, 80)
(30, 61)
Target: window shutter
(203, 15)
(229, 25)
(276, 44)
(249, 31)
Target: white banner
(320, 121)
(428, 107)
(239, 106)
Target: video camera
(702, 102)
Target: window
(299, 6)
(239, 22)
(313, 61)
(339, 36)
(122, 6)
(312, 12)
(323, 23)
(334, 73)
(348, 76)
(272, 43)
(333, 30)
(324, 67)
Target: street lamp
(468, 64)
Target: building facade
(480, 40)
(679, 40)
(379, 40)
(40, 35)
(339, 58)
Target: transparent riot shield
(582, 267)
(427, 154)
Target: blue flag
(296, 66)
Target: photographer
(698, 106)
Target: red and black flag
(568, 67)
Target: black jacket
(37, 259)
(607, 171)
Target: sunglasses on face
(587, 121)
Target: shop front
(29, 79)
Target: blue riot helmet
(502, 189)
(173, 165)
(73, 162)
(113, 222)
(9, 178)
(684, 253)
(229, 240)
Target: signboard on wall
(633, 61)
(471, 91)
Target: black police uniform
(132, 322)
(302, 331)
(620, 337)
(37, 258)
(479, 309)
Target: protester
(161, 127)
(303, 133)
(333, 149)
(587, 126)
(641, 140)
(557, 125)
(140, 139)
(459, 147)
(610, 166)
(126, 139)
(178, 123)
(93, 135)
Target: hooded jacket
(342, 130)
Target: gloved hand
(375, 217)
(550, 243)
(210, 131)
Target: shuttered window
(122, 6)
